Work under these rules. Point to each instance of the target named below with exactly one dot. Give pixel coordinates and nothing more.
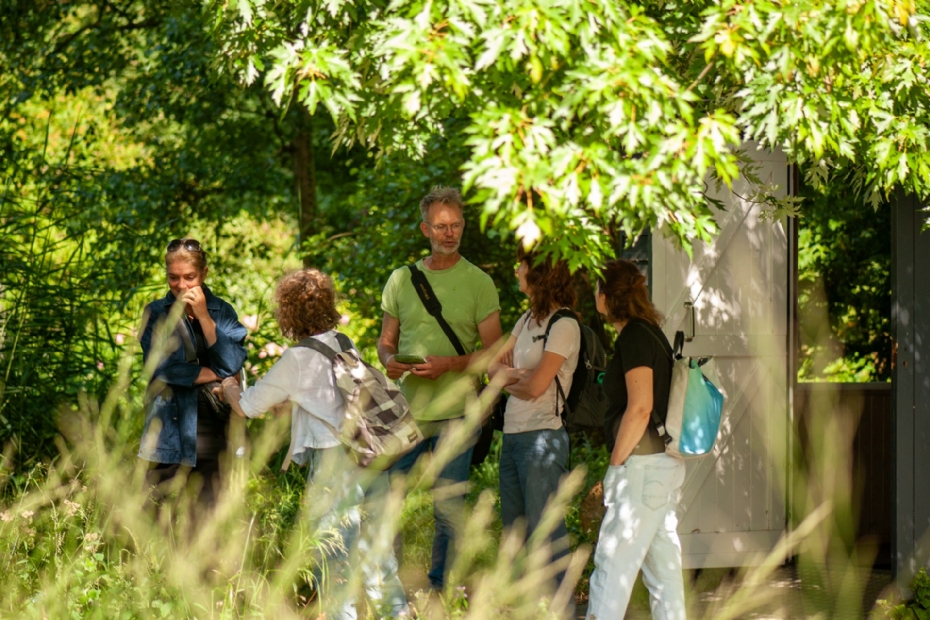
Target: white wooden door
(733, 507)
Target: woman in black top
(643, 484)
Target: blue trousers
(361, 553)
(449, 509)
(532, 465)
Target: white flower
(250, 321)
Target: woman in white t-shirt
(303, 380)
(534, 454)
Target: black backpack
(586, 402)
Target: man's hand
(395, 369)
(435, 367)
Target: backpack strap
(345, 343)
(433, 306)
(560, 393)
(316, 345)
(675, 354)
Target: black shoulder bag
(220, 408)
(495, 420)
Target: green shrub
(917, 608)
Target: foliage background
(844, 288)
(125, 125)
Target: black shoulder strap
(190, 350)
(432, 305)
(560, 393)
(345, 343)
(560, 314)
(675, 354)
(316, 345)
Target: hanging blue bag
(695, 405)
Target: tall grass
(75, 540)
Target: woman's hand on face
(197, 302)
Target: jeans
(532, 465)
(449, 508)
(338, 492)
(640, 529)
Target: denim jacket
(172, 395)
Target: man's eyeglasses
(444, 228)
(191, 245)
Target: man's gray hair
(444, 195)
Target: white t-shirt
(564, 339)
(305, 378)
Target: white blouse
(565, 340)
(305, 378)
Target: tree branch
(699, 77)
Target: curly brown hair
(627, 294)
(306, 302)
(551, 284)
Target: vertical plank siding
(865, 409)
(910, 322)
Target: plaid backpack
(378, 427)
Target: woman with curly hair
(642, 486)
(537, 372)
(303, 378)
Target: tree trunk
(305, 179)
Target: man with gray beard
(433, 374)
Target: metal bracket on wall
(690, 321)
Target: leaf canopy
(584, 115)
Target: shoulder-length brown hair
(627, 294)
(550, 282)
(306, 302)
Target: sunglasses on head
(191, 245)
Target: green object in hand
(409, 359)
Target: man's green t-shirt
(468, 296)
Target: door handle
(690, 321)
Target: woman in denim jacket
(642, 487)
(182, 429)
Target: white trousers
(640, 529)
